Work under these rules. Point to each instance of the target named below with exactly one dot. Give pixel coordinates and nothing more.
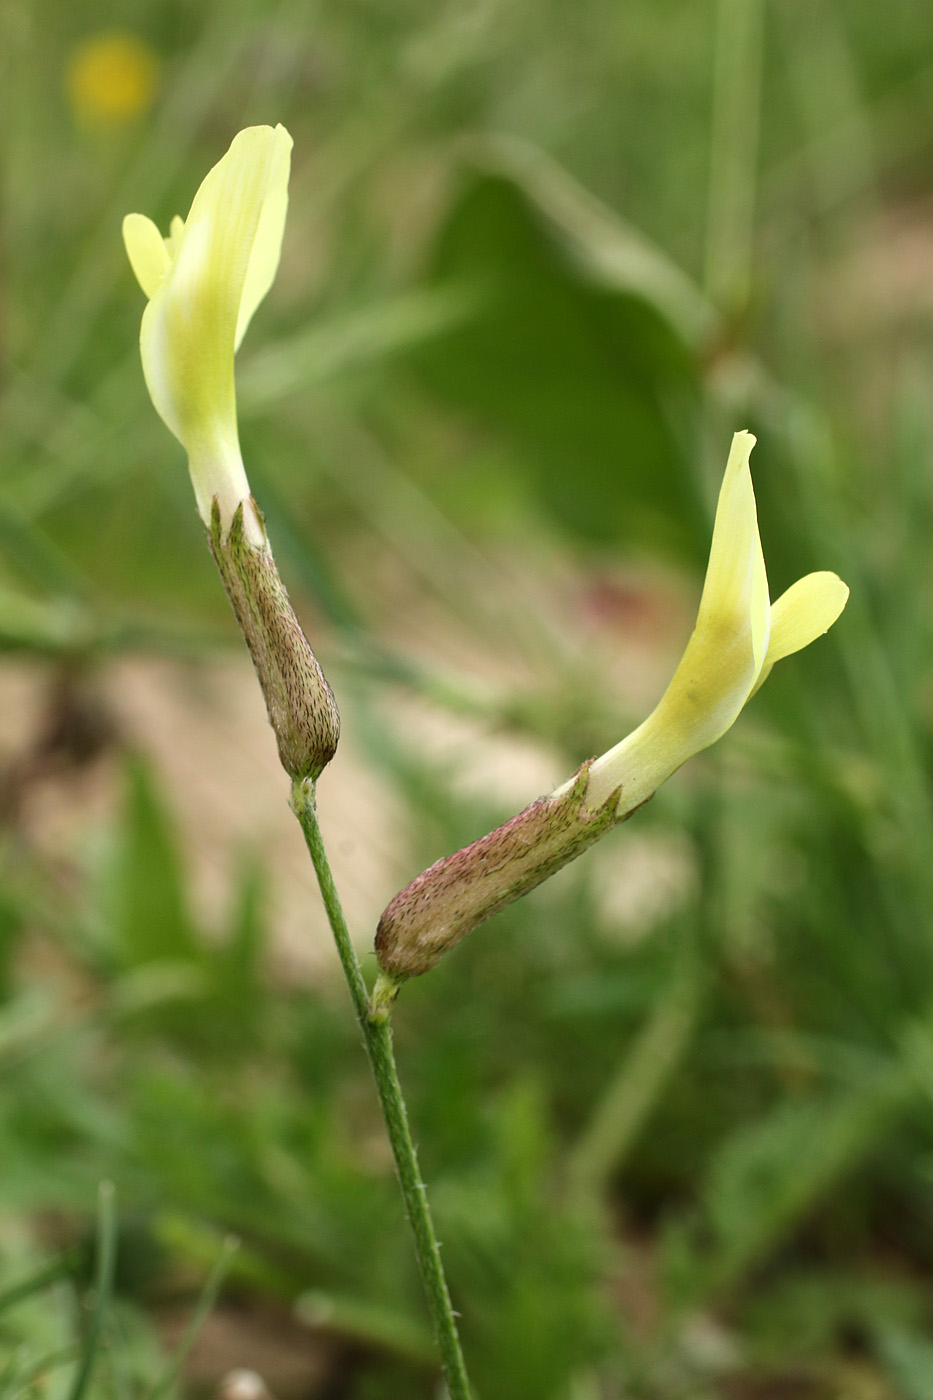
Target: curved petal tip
(146, 250)
(807, 610)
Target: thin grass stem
(103, 1286)
(205, 1304)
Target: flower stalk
(203, 283)
(377, 1037)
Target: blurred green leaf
(30, 625)
(152, 918)
(584, 352)
(355, 340)
(766, 1177)
(908, 1359)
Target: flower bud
(301, 706)
(442, 905)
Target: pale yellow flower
(203, 283)
(739, 635)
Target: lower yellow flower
(738, 637)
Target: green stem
(377, 1034)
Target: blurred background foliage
(674, 1108)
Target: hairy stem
(377, 1035)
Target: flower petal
(807, 610)
(222, 260)
(722, 660)
(146, 250)
(175, 230)
(267, 245)
(735, 593)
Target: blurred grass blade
(300, 559)
(636, 1087)
(368, 1323)
(152, 917)
(908, 1360)
(26, 547)
(352, 341)
(30, 625)
(604, 246)
(201, 1312)
(103, 1286)
(766, 1176)
(734, 152)
(22, 1374)
(360, 648)
(207, 68)
(49, 1273)
(832, 109)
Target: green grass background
(540, 262)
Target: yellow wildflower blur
(111, 79)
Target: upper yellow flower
(203, 283)
(738, 637)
